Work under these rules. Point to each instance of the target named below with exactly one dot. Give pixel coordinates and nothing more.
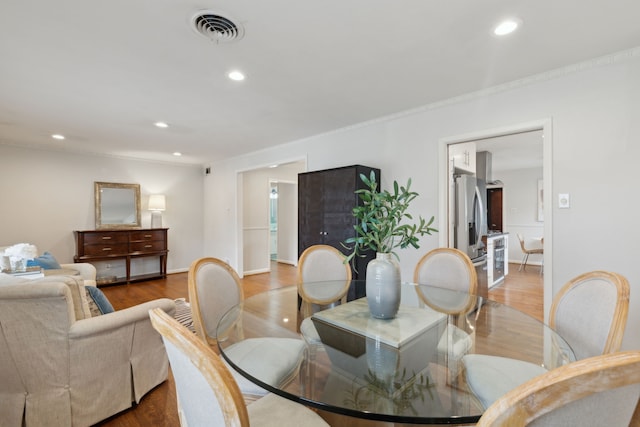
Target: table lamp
(157, 204)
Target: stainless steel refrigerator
(471, 224)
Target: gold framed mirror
(117, 205)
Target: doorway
(508, 137)
(267, 208)
(283, 222)
(495, 209)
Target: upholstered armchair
(59, 366)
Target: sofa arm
(117, 319)
(87, 271)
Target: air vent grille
(216, 27)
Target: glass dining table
(405, 370)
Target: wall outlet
(108, 266)
(563, 201)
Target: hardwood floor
(522, 290)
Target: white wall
(256, 222)
(520, 207)
(46, 195)
(594, 109)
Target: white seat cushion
(490, 377)
(274, 360)
(275, 411)
(309, 331)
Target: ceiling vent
(216, 27)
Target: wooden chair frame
(198, 321)
(473, 285)
(562, 386)
(217, 375)
(308, 300)
(619, 320)
(609, 344)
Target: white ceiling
(102, 73)
(522, 150)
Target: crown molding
(614, 58)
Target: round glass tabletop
(408, 369)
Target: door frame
(240, 202)
(279, 235)
(545, 125)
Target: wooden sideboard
(105, 245)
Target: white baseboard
(287, 261)
(258, 271)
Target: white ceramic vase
(383, 286)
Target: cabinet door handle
(106, 249)
(106, 237)
(148, 246)
(147, 236)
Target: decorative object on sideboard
(106, 280)
(157, 204)
(380, 226)
(117, 206)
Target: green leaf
(379, 219)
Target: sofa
(60, 366)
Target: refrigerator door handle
(483, 220)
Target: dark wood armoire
(326, 199)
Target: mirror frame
(98, 187)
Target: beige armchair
(58, 370)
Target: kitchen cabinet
(326, 199)
(463, 156)
(106, 245)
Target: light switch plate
(563, 201)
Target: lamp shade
(157, 202)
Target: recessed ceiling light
(57, 136)
(507, 26)
(161, 125)
(177, 154)
(236, 75)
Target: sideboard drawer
(147, 235)
(150, 246)
(106, 249)
(106, 237)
